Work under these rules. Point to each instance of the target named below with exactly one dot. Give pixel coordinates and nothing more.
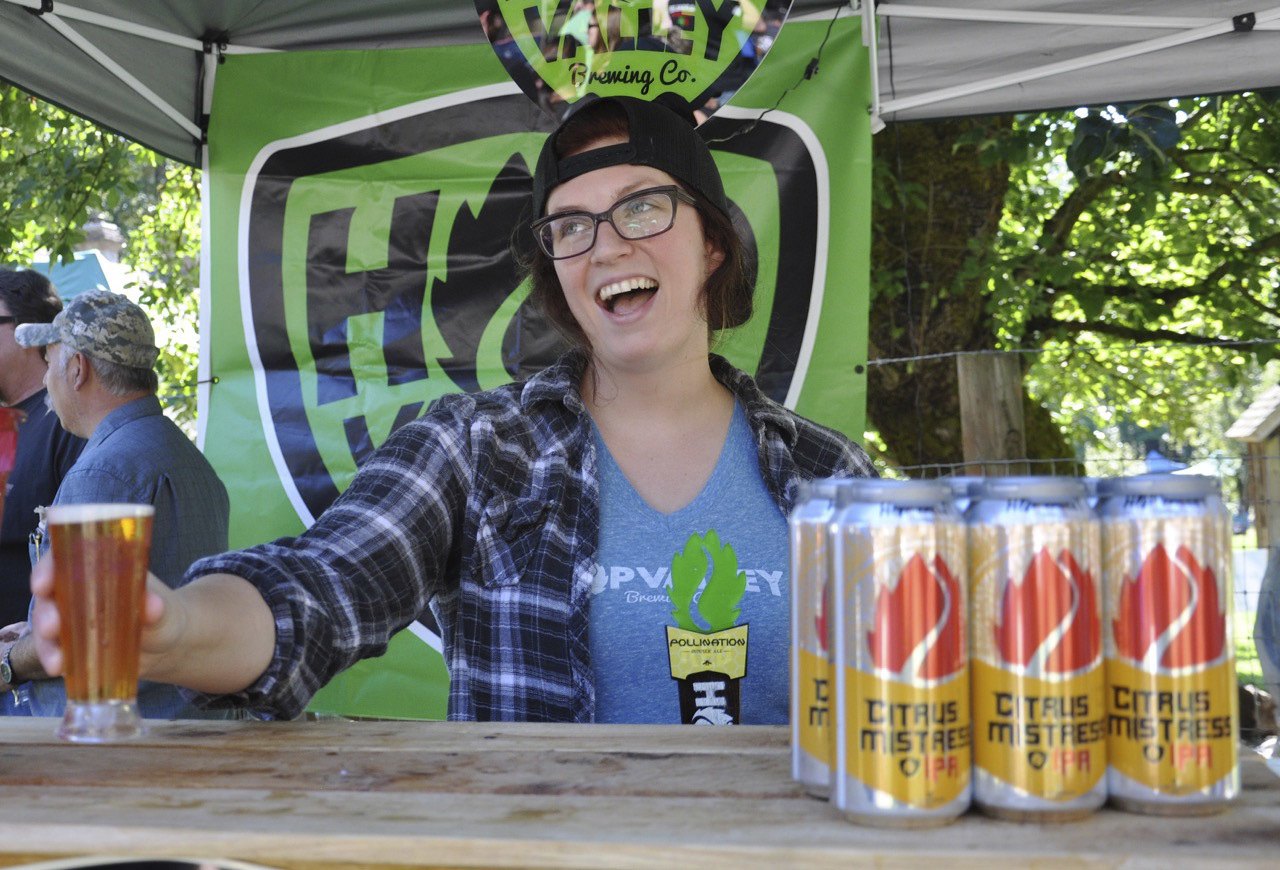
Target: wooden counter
(393, 794)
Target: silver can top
(902, 493)
(1170, 486)
(1042, 489)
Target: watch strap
(6, 666)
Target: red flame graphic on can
(1051, 617)
(917, 623)
(1174, 601)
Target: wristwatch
(6, 667)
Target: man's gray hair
(125, 380)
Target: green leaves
(59, 171)
(1139, 136)
(718, 604)
(1167, 233)
(1130, 236)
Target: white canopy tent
(140, 67)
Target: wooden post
(991, 422)
(1263, 489)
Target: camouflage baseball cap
(101, 324)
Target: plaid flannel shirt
(485, 510)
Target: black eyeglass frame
(7, 318)
(676, 193)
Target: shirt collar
(557, 383)
(147, 406)
(761, 411)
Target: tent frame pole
(871, 39)
(204, 376)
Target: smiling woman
(574, 535)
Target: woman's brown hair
(728, 292)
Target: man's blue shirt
(137, 455)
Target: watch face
(6, 669)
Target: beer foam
(66, 514)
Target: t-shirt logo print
(708, 661)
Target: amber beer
(902, 733)
(100, 554)
(1171, 689)
(1039, 716)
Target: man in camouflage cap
(102, 324)
(102, 385)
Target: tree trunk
(938, 208)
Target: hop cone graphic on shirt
(718, 604)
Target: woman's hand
(215, 634)
(160, 620)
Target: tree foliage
(58, 171)
(1138, 246)
(1133, 260)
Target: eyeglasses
(8, 318)
(640, 215)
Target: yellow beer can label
(1172, 734)
(815, 706)
(1047, 738)
(1039, 702)
(1171, 688)
(911, 743)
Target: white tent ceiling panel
(42, 61)
(922, 56)
(929, 66)
(34, 56)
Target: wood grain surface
(336, 793)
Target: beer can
(899, 657)
(810, 532)
(1171, 683)
(1039, 702)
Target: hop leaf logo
(1049, 620)
(1170, 611)
(718, 604)
(917, 631)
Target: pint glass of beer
(100, 570)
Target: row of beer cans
(1007, 644)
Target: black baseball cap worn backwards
(662, 136)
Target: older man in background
(46, 451)
(102, 385)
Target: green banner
(361, 206)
